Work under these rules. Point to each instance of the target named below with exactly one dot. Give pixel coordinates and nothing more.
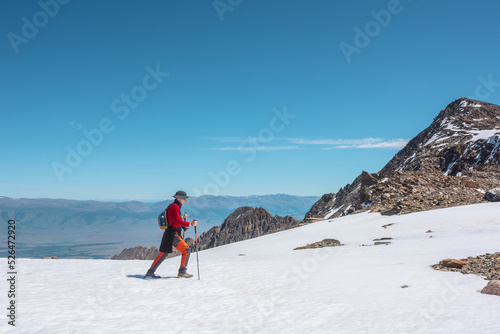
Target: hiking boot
(183, 274)
(186, 275)
(151, 275)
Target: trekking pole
(196, 247)
(184, 229)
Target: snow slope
(274, 289)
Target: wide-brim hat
(181, 195)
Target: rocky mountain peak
(467, 114)
(465, 134)
(245, 223)
(247, 215)
(452, 162)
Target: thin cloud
(232, 139)
(255, 148)
(361, 143)
(254, 144)
(389, 144)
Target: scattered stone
(378, 243)
(404, 286)
(242, 255)
(386, 226)
(452, 263)
(492, 288)
(492, 195)
(382, 239)
(308, 221)
(391, 212)
(429, 231)
(468, 183)
(487, 266)
(321, 244)
(368, 179)
(49, 257)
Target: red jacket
(174, 216)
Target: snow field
(264, 286)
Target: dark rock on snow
(493, 195)
(492, 288)
(321, 244)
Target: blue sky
(137, 99)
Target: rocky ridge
(401, 192)
(245, 223)
(145, 253)
(405, 192)
(137, 253)
(322, 207)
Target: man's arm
(177, 219)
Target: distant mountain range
(95, 229)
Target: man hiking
(172, 237)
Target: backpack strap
(166, 216)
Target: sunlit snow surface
(264, 286)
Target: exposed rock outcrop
(144, 253)
(245, 223)
(404, 192)
(321, 244)
(137, 253)
(322, 207)
(410, 191)
(493, 195)
(453, 263)
(487, 266)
